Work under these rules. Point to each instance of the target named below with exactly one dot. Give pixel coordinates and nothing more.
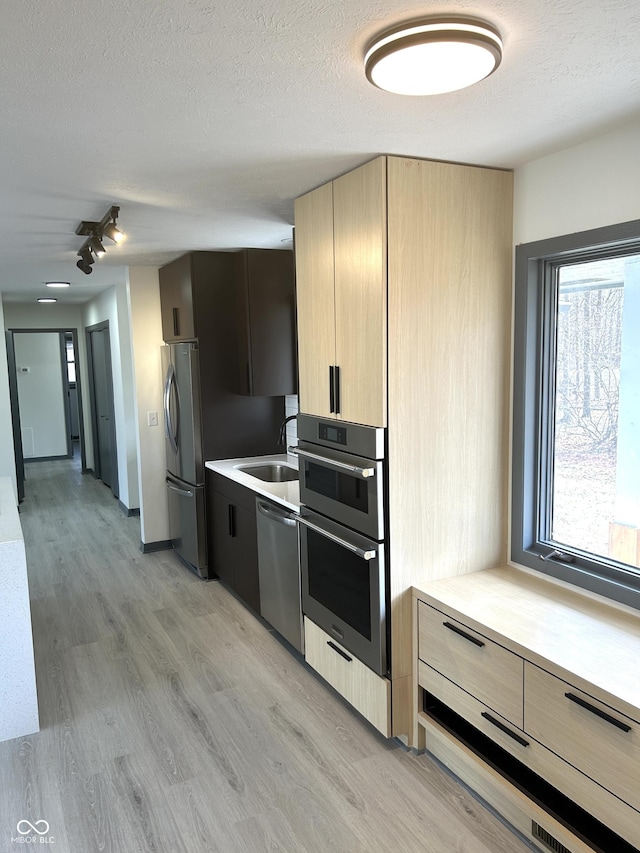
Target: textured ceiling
(204, 121)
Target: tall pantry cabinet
(404, 283)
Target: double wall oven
(342, 534)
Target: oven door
(344, 587)
(347, 488)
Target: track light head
(113, 233)
(96, 246)
(86, 259)
(86, 268)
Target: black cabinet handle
(504, 729)
(176, 323)
(456, 630)
(337, 389)
(332, 390)
(340, 652)
(599, 713)
(232, 520)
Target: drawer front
(593, 737)
(481, 667)
(361, 687)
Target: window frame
(532, 423)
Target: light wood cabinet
(404, 273)
(573, 728)
(341, 297)
(361, 687)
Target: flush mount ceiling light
(57, 283)
(47, 299)
(433, 56)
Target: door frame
(13, 378)
(103, 326)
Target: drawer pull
(340, 652)
(602, 714)
(504, 729)
(456, 630)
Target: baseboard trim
(127, 511)
(46, 458)
(150, 547)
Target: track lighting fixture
(95, 231)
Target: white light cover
(47, 299)
(433, 58)
(57, 284)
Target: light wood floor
(173, 720)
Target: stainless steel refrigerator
(185, 465)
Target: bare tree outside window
(587, 390)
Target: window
(576, 420)
(71, 358)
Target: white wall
(587, 186)
(7, 458)
(41, 394)
(112, 306)
(146, 336)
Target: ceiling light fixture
(57, 284)
(95, 231)
(47, 299)
(433, 56)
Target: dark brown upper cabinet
(264, 281)
(177, 300)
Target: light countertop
(286, 494)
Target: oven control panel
(333, 433)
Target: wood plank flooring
(174, 721)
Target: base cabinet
(364, 689)
(554, 748)
(233, 542)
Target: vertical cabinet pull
(232, 520)
(337, 389)
(176, 323)
(332, 389)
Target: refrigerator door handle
(168, 425)
(188, 493)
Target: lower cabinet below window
(364, 689)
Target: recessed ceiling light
(47, 299)
(57, 284)
(433, 56)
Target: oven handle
(332, 463)
(369, 554)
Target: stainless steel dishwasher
(279, 570)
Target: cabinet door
(245, 544)
(266, 322)
(221, 544)
(360, 245)
(315, 299)
(176, 300)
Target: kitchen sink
(271, 472)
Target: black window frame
(534, 348)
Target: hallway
(173, 721)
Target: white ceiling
(204, 121)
